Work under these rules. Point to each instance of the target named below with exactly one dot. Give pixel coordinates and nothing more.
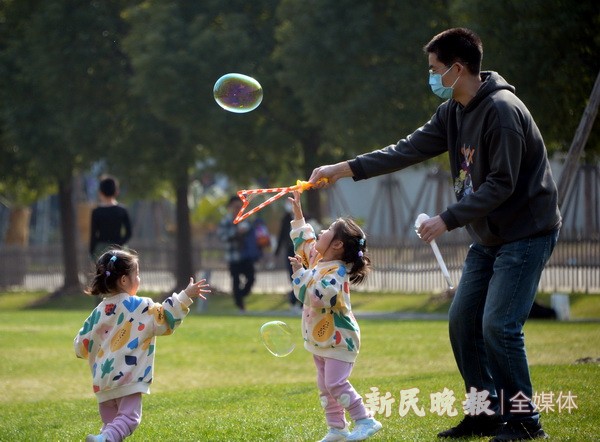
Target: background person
(285, 245)
(507, 201)
(110, 223)
(241, 251)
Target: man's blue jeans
(492, 302)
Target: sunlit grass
(582, 306)
(215, 381)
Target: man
(507, 201)
(241, 251)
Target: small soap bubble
(278, 338)
(238, 93)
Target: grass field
(214, 380)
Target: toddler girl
(118, 340)
(323, 269)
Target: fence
(399, 266)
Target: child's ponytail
(355, 249)
(109, 268)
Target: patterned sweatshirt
(329, 328)
(118, 339)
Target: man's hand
(431, 229)
(331, 172)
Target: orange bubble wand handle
(300, 186)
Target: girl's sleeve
(303, 237)
(300, 282)
(328, 283)
(165, 317)
(318, 288)
(81, 341)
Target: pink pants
(336, 392)
(121, 416)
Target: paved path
(399, 316)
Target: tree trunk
(14, 256)
(17, 233)
(310, 148)
(184, 262)
(68, 230)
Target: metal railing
(399, 266)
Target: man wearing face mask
(507, 201)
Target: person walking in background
(118, 340)
(110, 224)
(507, 201)
(285, 245)
(324, 266)
(241, 251)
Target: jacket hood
(492, 81)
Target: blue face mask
(438, 88)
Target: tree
(178, 51)
(65, 73)
(548, 49)
(21, 183)
(357, 70)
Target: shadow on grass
(583, 306)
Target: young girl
(118, 340)
(323, 269)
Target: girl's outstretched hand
(296, 262)
(195, 289)
(296, 205)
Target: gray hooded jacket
(502, 178)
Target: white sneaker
(364, 429)
(95, 438)
(336, 434)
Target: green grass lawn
(583, 306)
(215, 381)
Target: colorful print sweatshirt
(329, 328)
(119, 339)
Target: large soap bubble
(278, 338)
(238, 93)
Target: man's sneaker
(520, 431)
(336, 434)
(474, 426)
(365, 428)
(95, 438)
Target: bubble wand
(436, 251)
(300, 186)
